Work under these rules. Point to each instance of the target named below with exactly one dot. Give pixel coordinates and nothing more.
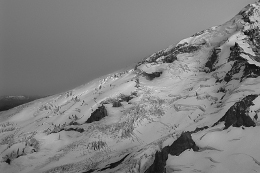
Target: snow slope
(193, 107)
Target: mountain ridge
(192, 107)
(9, 102)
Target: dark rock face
(89, 171)
(8, 161)
(159, 163)
(246, 14)
(80, 130)
(236, 67)
(235, 52)
(239, 62)
(251, 71)
(169, 58)
(237, 115)
(151, 76)
(98, 114)
(212, 59)
(254, 41)
(115, 164)
(117, 103)
(171, 55)
(189, 49)
(200, 129)
(183, 143)
(126, 98)
(74, 123)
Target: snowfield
(193, 107)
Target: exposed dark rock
(8, 161)
(89, 171)
(189, 49)
(74, 123)
(236, 67)
(126, 98)
(183, 143)
(151, 76)
(251, 71)
(153, 57)
(199, 33)
(235, 52)
(212, 59)
(169, 58)
(80, 130)
(246, 14)
(251, 33)
(117, 104)
(221, 89)
(200, 129)
(237, 115)
(159, 162)
(98, 114)
(115, 164)
(56, 129)
(171, 55)
(254, 41)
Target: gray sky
(50, 46)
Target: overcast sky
(50, 46)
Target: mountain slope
(193, 107)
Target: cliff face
(193, 107)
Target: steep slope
(192, 107)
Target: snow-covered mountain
(193, 107)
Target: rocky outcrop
(183, 143)
(115, 164)
(169, 56)
(236, 67)
(89, 171)
(98, 114)
(250, 71)
(80, 130)
(116, 102)
(151, 76)
(212, 59)
(235, 52)
(237, 115)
